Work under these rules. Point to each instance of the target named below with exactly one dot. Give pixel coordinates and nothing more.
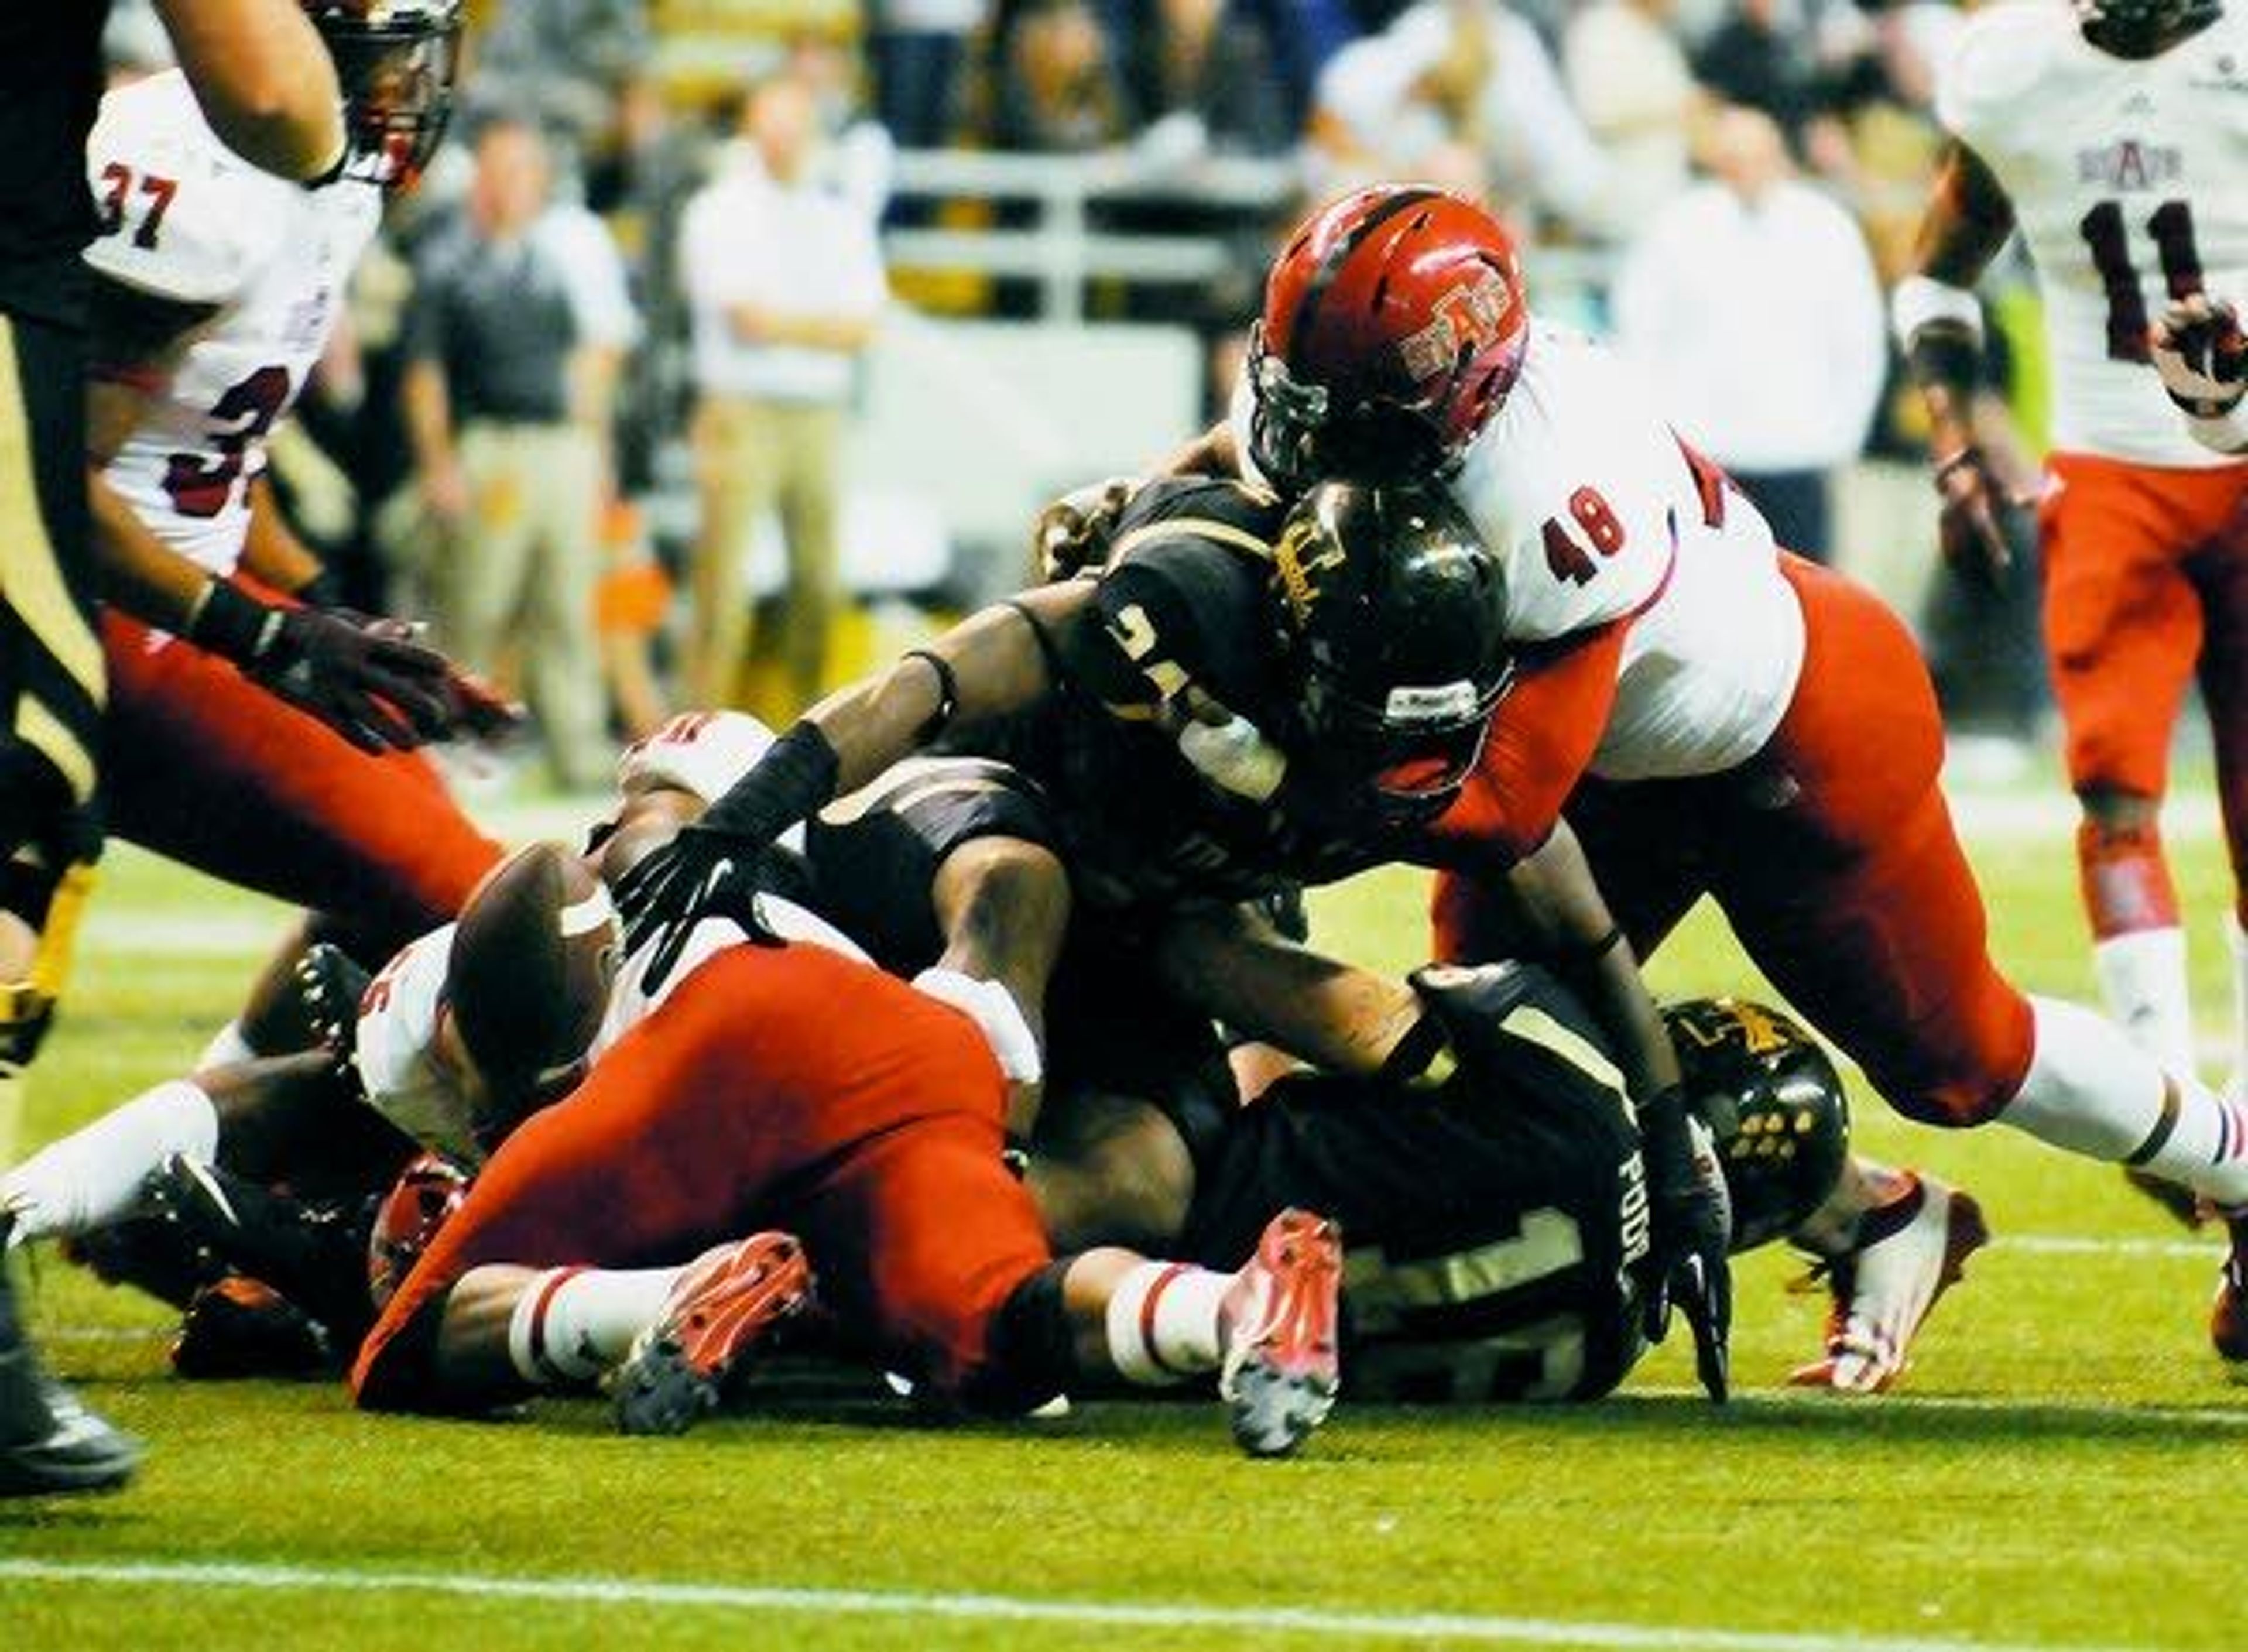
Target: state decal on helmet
(1393, 327)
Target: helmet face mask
(395, 60)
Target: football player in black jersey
(1233, 703)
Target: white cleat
(1911, 1251)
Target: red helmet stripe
(1331, 266)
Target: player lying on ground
(1194, 755)
(962, 862)
(784, 1083)
(1714, 714)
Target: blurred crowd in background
(603, 369)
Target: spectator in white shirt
(785, 285)
(1462, 93)
(1751, 301)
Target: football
(531, 965)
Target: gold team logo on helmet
(1299, 564)
(1729, 1020)
(1472, 315)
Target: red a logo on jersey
(1472, 313)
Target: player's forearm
(265, 79)
(1937, 321)
(1214, 453)
(1335, 1016)
(1568, 922)
(272, 552)
(139, 574)
(986, 667)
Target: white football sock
(228, 1049)
(572, 1324)
(2142, 980)
(2090, 1090)
(1163, 1322)
(92, 1176)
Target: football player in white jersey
(2112, 136)
(1716, 715)
(217, 289)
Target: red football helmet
(429, 1191)
(1393, 327)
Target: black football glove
(366, 679)
(1692, 1220)
(715, 866)
(700, 873)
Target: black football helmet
(1395, 613)
(396, 59)
(2143, 28)
(1774, 1103)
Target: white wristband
(1920, 299)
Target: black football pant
(51, 680)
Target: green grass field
(2062, 1469)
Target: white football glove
(2202, 355)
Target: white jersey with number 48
(2129, 182)
(184, 219)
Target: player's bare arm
(1939, 324)
(1232, 964)
(272, 552)
(991, 664)
(1214, 453)
(265, 79)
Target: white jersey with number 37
(2129, 182)
(183, 219)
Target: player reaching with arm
(1191, 716)
(217, 289)
(1703, 715)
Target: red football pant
(204, 766)
(787, 1087)
(2146, 582)
(1832, 856)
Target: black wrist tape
(794, 780)
(232, 624)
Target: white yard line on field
(816, 1603)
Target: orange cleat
(1281, 1373)
(727, 1300)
